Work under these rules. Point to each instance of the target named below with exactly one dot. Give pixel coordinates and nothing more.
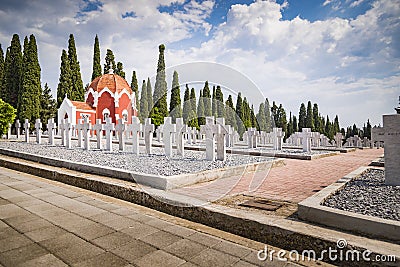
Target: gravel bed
(156, 163)
(368, 195)
(284, 151)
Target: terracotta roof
(82, 105)
(112, 81)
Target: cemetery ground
(270, 216)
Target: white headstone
(68, 131)
(51, 126)
(134, 130)
(391, 126)
(9, 131)
(278, 138)
(98, 127)
(251, 137)
(306, 137)
(159, 132)
(109, 129)
(78, 128)
(121, 128)
(338, 139)
(168, 130)
(26, 127)
(210, 129)
(61, 130)
(18, 128)
(221, 139)
(315, 139)
(181, 128)
(86, 127)
(148, 134)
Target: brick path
(45, 223)
(294, 182)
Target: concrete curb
(285, 233)
(154, 181)
(311, 210)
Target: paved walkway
(46, 223)
(295, 181)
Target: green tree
(193, 100)
(200, 110)
(149, 97)
(275, 114)
(207, 100)
(214, 108)
(11, 86)
(78, 92)
(239, 113)
(282, 120)
(175, 106)
(316, 118)
(193, 120)
(336, 126)
(220, 107)
(309, 117)
(7, 116)
(135, 88)
(48, 106)
(268, 121)
(261, 123)
(253, 118)
(186, 105)
(96, 59)
(120, 70)
(302, 117)
(295, 128)
(144, 108)
(230, 114)
(64, 87)
(160, 89)
(367, 129)
(110, 62)
(328, 129)
(246, 114)
(1, 68)
(31, 90)
(290, 126)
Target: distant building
(107, 96)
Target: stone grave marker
(391, 127)
(61, 130)
(68, 130)
(315, 139)
(148, 134)
(251, 136)
(26, 127)
(86, 127)
(377, 136)
(168, 130)
(134, 130)
(278, 138)
(18, 128)
(210, 129)
(120, 128)
(338, 139)
(306, 138)
(109, 129)
(9, 131)
(78, 128)
(181, 128)
(98, 127)
(51, 126)
(221, 139)
(159, 132)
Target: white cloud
(356, 3)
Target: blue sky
(342, 54)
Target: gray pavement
(46, 223)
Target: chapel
(108, 96)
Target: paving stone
(77, 253)
(4, 201)
(185, 249)
(39, 208)
(62, 241)
(242, 263)
(158, 258)
(13, 242)
(140, 217)
(214, 258)
(44, 261)
(161, 239)
(188, 264)
(113, 240)
(179, 230)
(11, 193)
(105, 259)
(7, 232)
(133, 250)
(125, 211)
(11, 210)
(21, 219)
(30, 202)
(32, 225)
(105, 217)
(121, 223)
(139, 230)
(204, 239)
(21, 254)
(232, 249)
(158, 223)
(3, 224)
(92, 231)
(45, 233)
(21, 198)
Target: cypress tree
(175, 107)
(309, 117)
(302, 117)
(295, 128)
(78, 91)
(239, 113)
(253, 118)
(135, 88)
(282, 120)
(336, 127)
(31, 91)
(7, 65)
(207, 100)
(160, 109)
(186, 105)
(96, 59)
(219, 97)
(12, 73)
(290, 125)
(367, 130)
(1, 69)
(316, 120)
(120, 70)
(275, 114)
(64, 85)
(261, 122)
(110, 62)
(214, 108)
(144, 108)
(230, 114)
(48, 106)
(193, 120)
(149, 97)
(328, 128)
(200, 110)
(268, 121)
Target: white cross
(62, 128)
(221, 139)
(98, 127)
(278, 138)
(121, 128)
(148, 134)
(86, 127)
(51, 126)
(168, 130)
(134, 129)
(68, 128)
(26, 127)
(79, 128)
(181, 128)
(306, 138)
(17, 128)
(210, 129)
(109, 129)
(251, 135)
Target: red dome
(113, 82)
